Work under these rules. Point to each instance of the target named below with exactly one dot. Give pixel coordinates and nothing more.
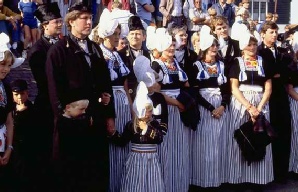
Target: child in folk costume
(74, 128)
(142, 168)
(7, 61)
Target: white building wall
(294, 12)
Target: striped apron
(207, 143)
(175, 149)
(142, 170)
(294, 137)
(118, 154)
(238, 170)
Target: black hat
(19, 85)
(47, 12)
(73, 95)
(83, 7)
(135, 23)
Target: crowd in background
(146, 96)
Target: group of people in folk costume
(94, 99)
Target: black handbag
(253, 138)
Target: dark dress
(280, 116)
(69, 67)
(24, 142)
(74, 153)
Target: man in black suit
(277, 61)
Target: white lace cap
(150, 37)
(141, 100)
(163, 40)
(206, 39)
(5, 46)
(143, 71)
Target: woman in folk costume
(251, 89)
(207, 142)
(176, 145)
(110, 33)
(142, 168)
(293, 97)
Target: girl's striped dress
(207, 142)
(117, 155)
(252, 76)
(175, 148)
(142, 169)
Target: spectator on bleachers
(172, 13)
(10, 24)
(212, 13)
(226, 10)
(274, 17)
(27, 8)
(144, 10)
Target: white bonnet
(206, 39)
(5, 46)
(139, 104)
(143, 71)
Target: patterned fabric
(174, 151)
(207, 71)
(142, 170)
(176, 70)
(115, 63)
(118, 155)
(294, 140)
(236, 169)
(207, 144)
(3, 97)
(250, 66)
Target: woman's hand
(6, 157)
(253, 111)
(218, 112)
(105, 98)
(180, 107)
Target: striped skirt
(294, 135)
(207, 144)
(142, 170)
(174, 151)
(118, 155)
(237, 168)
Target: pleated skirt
(142, 170)
(207, 144)
(118, 155)
(294, 135)
(237, 169)
(174, 151)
